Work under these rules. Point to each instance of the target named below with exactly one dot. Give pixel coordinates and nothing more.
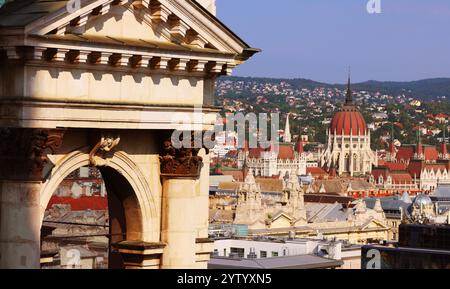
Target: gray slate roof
(388, 204)
(289, 262)
(442, 192)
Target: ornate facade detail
(294, 196)
(23, 152)
(182, 162)
(249, 209)
(105, 145)
(348, 149)
(287, 159)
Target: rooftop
(288, 262)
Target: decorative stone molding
(180, 163)
(23, 152)
(203, 250)
(120, 60)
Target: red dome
(348, 121)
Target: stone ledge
(138, 246)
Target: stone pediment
(281, 221)
(184, 23)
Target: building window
(225, 252)
(274, 254)
(263, 254)
(238, 252)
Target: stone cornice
(35, 113)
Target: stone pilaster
(23, 155)
(183, 207)
(20, 224)
(178, 223)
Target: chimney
(210, 5)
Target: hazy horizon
(338, 83)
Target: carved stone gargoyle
(105, 145)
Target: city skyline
(403, 43)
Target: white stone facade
(349, 154)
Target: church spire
(349, 95)
(287, 131)
(444, 152)
(419, 147)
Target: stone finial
(250, 178)
(292, 183)
(378, 208)
(360, 207)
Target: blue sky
(319, 39)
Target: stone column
(20, 226)
(179, 229)
(23, 155)
(181, 212)
(204, 246)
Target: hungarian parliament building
(348, 153)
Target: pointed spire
(378, 207)
(444, 152)
(287, 131)
(250, 178)
(245, 167)
(392, 133)
(419, 148)
(391, 145)
(300, 146)
(292, 183)
(349, 95)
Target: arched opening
(347, 163)
(91, 210)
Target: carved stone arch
(142, 222)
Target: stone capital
(181, 162)
(23, 152)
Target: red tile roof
(397, 177)
(401, 178)
(431, 153)
(415, 168)
(286, 152)
(395, 166)
(82, 204)
(348, 121)
(255, 153)
(316, 171)
(237, 175)
(405, 153)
